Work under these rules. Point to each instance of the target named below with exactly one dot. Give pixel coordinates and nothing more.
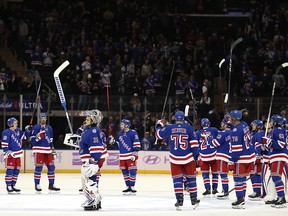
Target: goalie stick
(36, 104)
(60, 90)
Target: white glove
(89, 169)
(40, 136)
(111, 140)
(54, 155)
(6, 154)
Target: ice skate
(16, 190)
(53, 189)
(179, 202)
(223, 196)
(38, 189)
(271, 202)
(280, 203)
(127, 191)
(255, 196)
(239, 203)
(214, 192)
(194, 201)
(10, 190)
(133, 191)
(81, 191)
(90, 205)
(207, 193)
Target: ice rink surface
(155, 197)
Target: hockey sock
(238, 182)
(279, 186)
(192, 185)
(178, 186)
(126, 177)
(15, 176)
(214, 180)
(37, 174)
(132, 174)
(8, 177)
(225, 182)
(51, 174)
(205, 176)
(256, 183)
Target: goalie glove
(89, 169)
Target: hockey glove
(199, 162)
(258, 159)
(266, 141)
(134, 157)
(160, 124)
(231, 166)
(28, 128)
(9, 154)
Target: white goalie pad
(90, 189)
(72, 140)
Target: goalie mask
(95, 116)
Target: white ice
(155, 197)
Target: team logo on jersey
(4, 137)
(234, 129)
(94, 131)
(152, 159)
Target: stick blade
(61, 68)
(235, 43)
(186, 112)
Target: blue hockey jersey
(183, 143)
(128, 143)
(223, 144)
(242, 150)
(207, 149)
(91, 144)
(44, 145)
(12, 141)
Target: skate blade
(207, 196)
(127, 194)
(195, 206)
(178, 208)
(238, 207)
(13, 193)
(222, 197)
(53, 192)
(255, 199)
(279, 206)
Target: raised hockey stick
(220, 76)
(272, 95)
(195, 116)
(186, 113)
(220, 195)
(36, 103)
(233, 45)
(60, 90)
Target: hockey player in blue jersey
(255, 174)
(90, 152)
(43, 149)
(242, 157)
(276, 143)
(183, 154)
(208, 156)
(129, 145)
(222, 144)
(12, 147)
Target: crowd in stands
(131, 47)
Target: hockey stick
(272, 96)
(36, 104)
(233, 45)
(195, 117)
(220, 76)
(165, 101)
(186, 113)
(60, 90)
(220, 195)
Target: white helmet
(95, 115)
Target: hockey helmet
(236, 114)
(205, 122)
(11, 121)
(42, 115)
(258, 123)
(179, 116)
(277, 118)
(126, 122)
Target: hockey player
(256, 141)
(208, 156)
(275, 142)
(223, 155)
(129, 145)
(12, 148)
(242, 157)
(43, 151)
(90, 153)
(183, 154)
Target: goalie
(90, 152)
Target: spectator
(135, 103)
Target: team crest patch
(94, 131)
(234, 129)
(4, 137)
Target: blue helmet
(42, 115)
(236, 114)
(11, 121)
(277, 118)
(205, 122)
(179, 116)
(227, 118)
(258, 123)
(126, 122)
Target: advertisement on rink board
(69, 161)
